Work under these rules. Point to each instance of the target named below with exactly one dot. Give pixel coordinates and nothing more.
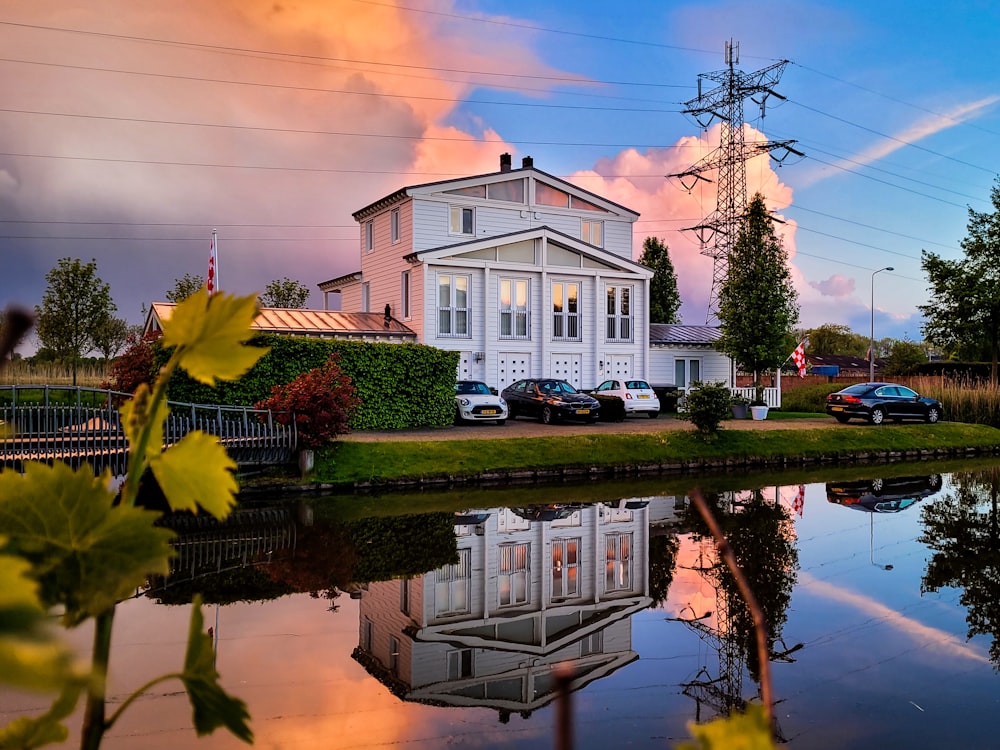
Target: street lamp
(871, 545)
(871, 347)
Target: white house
(520, 272)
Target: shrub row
(399, 386)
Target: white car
(475, 402)
(638, 396)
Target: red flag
(210, 281)
(800, 500)
(799, 358)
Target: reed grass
(977, 403)
(21, 372)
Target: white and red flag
(799, 358)
(212, 282)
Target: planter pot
(739, 411)
(758, 412)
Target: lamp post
(871, 347)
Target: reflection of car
(475, 402)
(638, 396)
(552, 512)
(550, 400)
(878, 402)
(883, 495)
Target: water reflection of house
(532, 588)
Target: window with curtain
(565, 568)
(619, 314)
(453, 305)
(514, 319)
(566, 310)
(452, 586)
(618, 562)
(512, 575)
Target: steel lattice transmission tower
(718, 231)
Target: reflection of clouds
(691, 593)
(946, 642)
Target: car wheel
(842, 418)
(653, 414)
(511, 412)
(458, 417)
(501, 422)
(877, 416)
(933, 415)
(548, 416)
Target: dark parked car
(877, 402)
(883, 495)
(549, 400)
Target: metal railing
(83, 425)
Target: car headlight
(464, 401)
(503, 403)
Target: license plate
(488, 411)
(583, 411)
(836, 408)
(643, 395)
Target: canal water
(442, 620)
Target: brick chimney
(527, 162)
(504, 162)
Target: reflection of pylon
(717, 233)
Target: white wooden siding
(715, 366)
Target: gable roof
(605, 257)
(504, 174)
(296, 322)
(672, 334)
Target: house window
(453, 305)
(592, 232)
(452, 586)
(565, 568)
(404, 596)
(509, 190)
(367, 633)
(619, 320)
(404, 295)
(369, 236)
(394, 224)
(566, 310)
(514, 323)
(618, 562)
(365, 296)
(512, 579)
(460, 664)
(394, 655)
(461, 220)
(686, 372)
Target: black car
(878, 495)
(877, 402)
(549, 400)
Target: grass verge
(366, 462)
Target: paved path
(516, 428)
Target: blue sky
(128, 131)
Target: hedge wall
(400, 386)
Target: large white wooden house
(522, 273)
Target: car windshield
(637, 385)
(477, 388)
(555, 386)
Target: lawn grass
(351, 462)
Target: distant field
(19, 372)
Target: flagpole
(215, 250)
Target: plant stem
(121, 709)
(94, 725)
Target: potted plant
(758, 408)
(738, 404)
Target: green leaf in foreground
(87, 552)
(213, 707)
(746, 731)
(197, 471)
(209, 332)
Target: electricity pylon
(717, 233)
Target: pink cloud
(835, 286)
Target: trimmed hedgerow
(398, 386)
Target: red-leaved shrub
(322, 400)
(134, 366)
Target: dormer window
(462, 220)
(592, 232)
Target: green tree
(75, 307)
(758, 306)
(184, 287)
(904, 358)
(964, 304)
(664, 299)
(111, 336)
(285, 293)
(833, 339)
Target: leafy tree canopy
(904, 358)
(111, 336)
(758, 306)
(184, 288)
(75, 307)
(964, 304)
(286, 293)
(664, 299)
(833, 339)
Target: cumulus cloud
(835, 286)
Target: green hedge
(612, 407)
(809, 398)
(400, 386)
